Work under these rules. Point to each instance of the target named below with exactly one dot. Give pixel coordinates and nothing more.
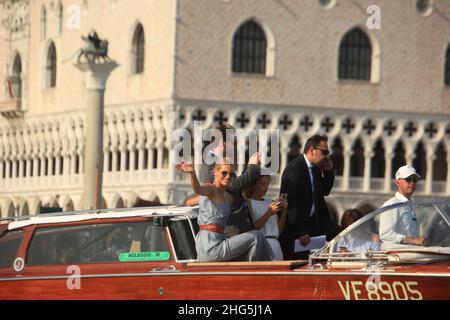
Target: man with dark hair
(307, 180)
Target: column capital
(96, 74)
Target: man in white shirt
(401, 225)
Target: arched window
(355, 56)
(59, 19)
(249, 49)
(138, 51)
(294, 148)
(337, 156)
(16, 79)
(440, 164)
(420, 160)
(357, 160)
(378, 160)
(50, 67)
(43, 23)
(155, 158)
(447, 67)
(399, 158)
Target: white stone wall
(304, 37)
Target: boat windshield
(390, 227)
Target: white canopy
(101, 215)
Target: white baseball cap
(405, 172)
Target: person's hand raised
(255, 159)
(185, 167)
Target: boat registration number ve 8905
(381, 290)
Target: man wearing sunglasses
(401, 226)
(307, 180)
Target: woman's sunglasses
(228, 173)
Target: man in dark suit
(307, 180)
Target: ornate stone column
(388, 170)
(367, 170)
(429, 176)
(96, 75)
(346, 173)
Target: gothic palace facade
(301, 66)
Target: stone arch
(447, 66)
(10, 210)
(24, 208)
(357, 159)
(399, 157)
(337, 156)
(295, 148)
(375, 52)
(138, 45)
(15, 84)
(66, 203)
(36, 205)
(440, 165)
(269, 43)
(117, 202)
(420, 159)
(156, 200)
(50, 65)
(378, 161)
(7, 208)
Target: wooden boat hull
(240, 285)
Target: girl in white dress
(267, 216)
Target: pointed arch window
(16, 79)
(355, 56)
(440, 166)
(337, 156)
(378, 161)
(357, 160)
(138, 50)
(249, 49)
(399, 158)
(50, 67)
(420, 160)
(447, 67)
(43, 23)
(294, 149)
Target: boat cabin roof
(54, 218)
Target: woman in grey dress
(211, 242)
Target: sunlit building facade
(372, 74)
